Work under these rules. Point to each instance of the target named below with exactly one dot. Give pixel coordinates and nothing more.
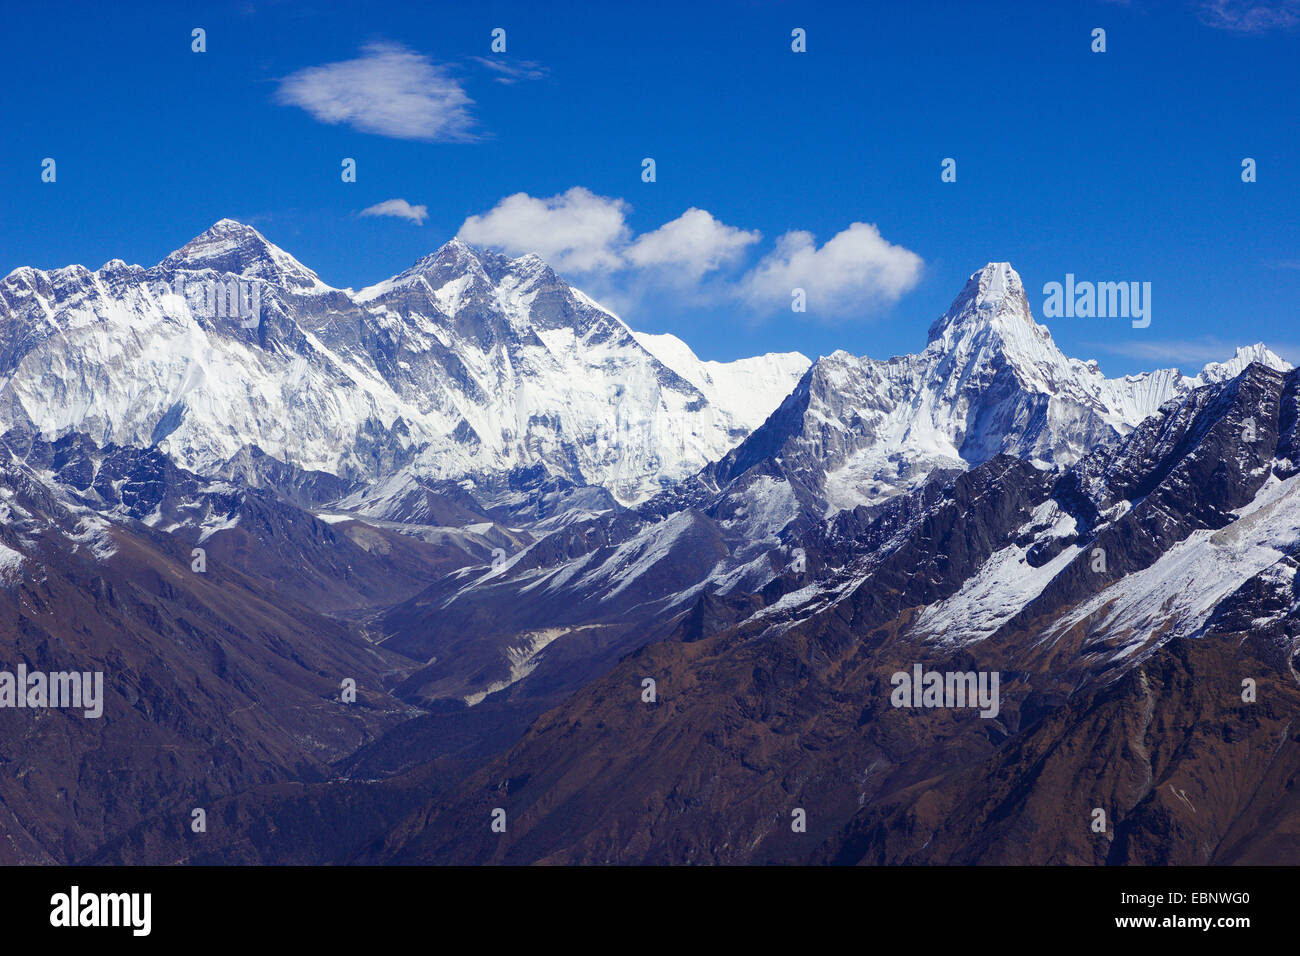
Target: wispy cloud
(697, 256)
(389, 90)
(1190, 355)
(1249, 16)
(512, 71)
(399, 209)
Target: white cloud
(389, 90)
(399, 209)
(582, 232)
(694, 243)
(854, 272)
(586, 235)
(576, 230)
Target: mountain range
(499, 511)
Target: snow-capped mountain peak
(993, 294)
(991, 320)
(453, 273)
(518, 363)
(467, 366)
(1246, 355)
(990, 381)
(232, 248)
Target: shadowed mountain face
(213, 681)
(1121, 689)
(653, 609)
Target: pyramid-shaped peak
(997, 278)
(227, 225)
(225, 232)
(231, 247)
(991, 293)
(990, 288)
(455, 247)
(452, 259)
(456, 261)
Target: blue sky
(1115, 166)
